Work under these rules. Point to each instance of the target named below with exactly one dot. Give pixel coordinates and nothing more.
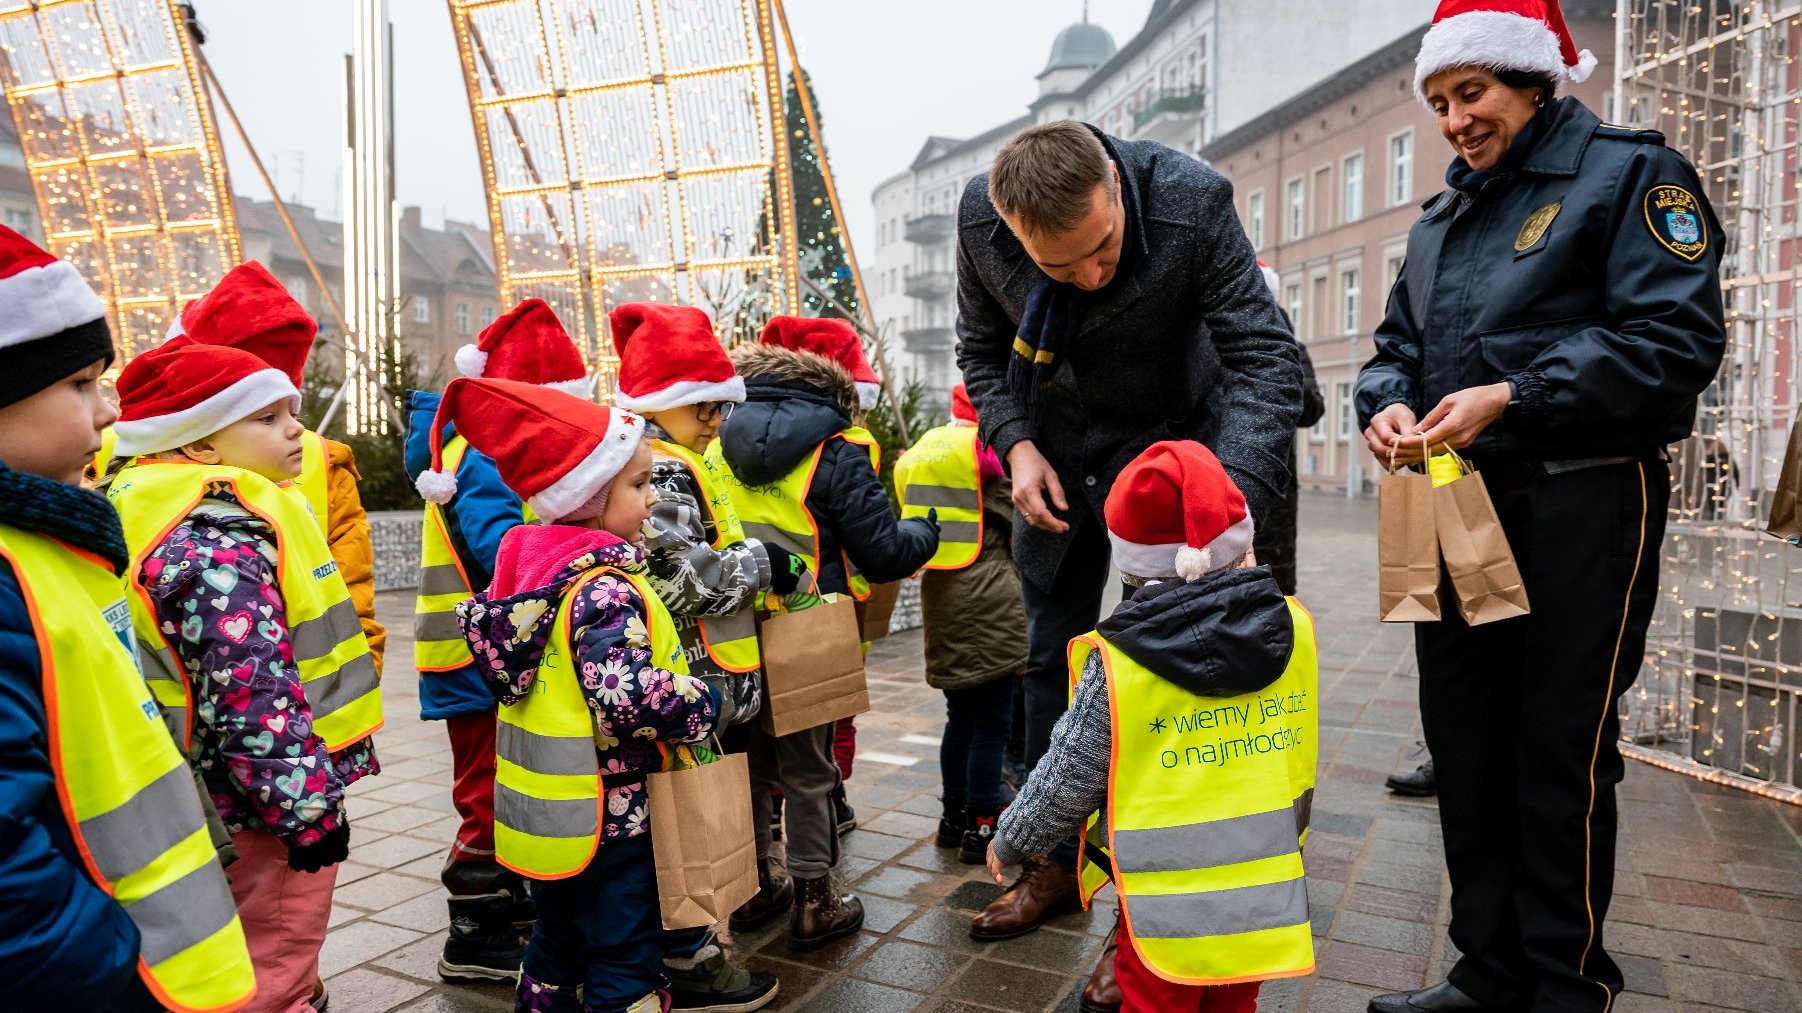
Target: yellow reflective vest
(731, 641)
(128, 796)
(337, 672)
(778, 512)
(1208, 801)
(940, 472)
(315, 478)
(548, 788)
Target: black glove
(786, 569)
(932, 518)
(329, 850)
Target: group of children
(190, 667)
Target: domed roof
(1082, 46)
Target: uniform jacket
(1228, 633)
(482, 511)
(347, 533)
(1588, 277)
(637, 703)
(1186, 343)
(66, 944)
(793, 403)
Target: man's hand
(1391, 432)
(1461, 417)
(1035, 482)
(996, 869)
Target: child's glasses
(714, 411)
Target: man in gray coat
(1107, 299)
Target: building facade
(1327, 185)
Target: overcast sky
(886, 75)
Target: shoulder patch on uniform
(1675, 217)
(1644, 135)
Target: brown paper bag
(702, 836)
(1786, 505)
(873, 615)
(812, 667)
(1476, 552)
(1408, 572)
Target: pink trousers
(284, 914)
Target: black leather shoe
(1418, 783)
(1441, 998)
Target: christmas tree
(820, 238)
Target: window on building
(487, 314)
(1348, 300)
(1317, 431)
(1351, 202)
(1322, 308)
(1292, 303)
(1323, 198)
(1392, 269)
(18, 220)
(1401, 168)
(1297, 209)
(1254, 219)
(1342, 402)
(297, 287)
(422, 310)
(462, 318)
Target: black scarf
(67, 512)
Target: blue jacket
(66, 944)
(482, 511)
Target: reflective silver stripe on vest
(182, 914)
(545, 754)
(541, 817)
(334, 692)
(319, 637)
(959, 531)
(129, 836)
(157, 670)
(1206, 845)
(798, 543)
(1218, 912)
(429, 626)
(740, 625)
(944, 496)
(444, 578)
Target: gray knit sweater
(1070, 781)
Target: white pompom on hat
(527, 344)
(1174, 514)
(1501, 35)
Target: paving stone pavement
(1707, 913)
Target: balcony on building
(921, 340)
(930, 229)
(929, 286)
(1172, 118)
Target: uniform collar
(1563, 139)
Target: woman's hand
(1460, 418)
(1389, 433)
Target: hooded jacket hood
(793, 401)
(1228, 633)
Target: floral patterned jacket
(637, 702)
(213, 580)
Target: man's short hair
(1045, 176)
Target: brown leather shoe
(1102, 993)
(1042, 892)
(775, 895)
(822, 913)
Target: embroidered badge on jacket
(1675, 218)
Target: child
(250, 310)
(794, 462)
(591, 679)
(249, 633)
(975, 620)
(86, 926)
(1202, 828)
(459, 541)
(673, 371)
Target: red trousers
(844, 746)
(1142, 991)
(472, 785)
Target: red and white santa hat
(1271, 280)
(51, 323)
(670, 357)
(556, 450)
(1174, 514)
(182, 391)
(528, 344)
(1501, 35)
(250, 310)
(961, 408)
(832, 338)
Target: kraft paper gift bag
(1786, 505)
(1477, 556)
(1408, 572)
(812, 667)
(874, 615)
(702, 836)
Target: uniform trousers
(1522, 721)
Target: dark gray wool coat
(1185, 344)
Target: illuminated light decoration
(371, 229)
(632, 151)
(123, 154)
(1720, 695)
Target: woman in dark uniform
(1558, 314)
